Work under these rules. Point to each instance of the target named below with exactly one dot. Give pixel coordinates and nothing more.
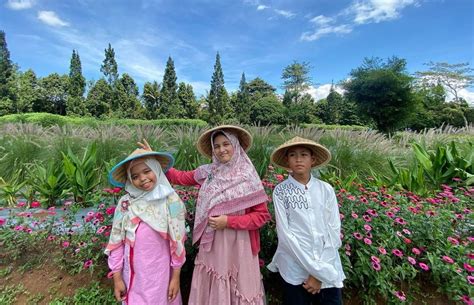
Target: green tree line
(380, 94)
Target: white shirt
(308, 228)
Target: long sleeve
(323, 271)
(333, 221)
(115, 259)
(254, 218)
(181, 177)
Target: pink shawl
(225, 188)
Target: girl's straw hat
(118, 174)
(204, 142)
(321, 153)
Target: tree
(242, 103)
(151, 99)
(99, 99)
(296, 79)
(453, 77)
(258, 88)
(268, 110)
(76, 87)
(170, 106)
(53, 90)
(7, 71)
(27, 92)
(334, 107)
(382, 92)
(218, 100)
(127, 98)
(187, 101)
(109, 66)
(302, 112)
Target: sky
(256, 37)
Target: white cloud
(286, 14)
(322, 91)
(326, 30)
(50, 18)
(465, 94)
(321, 20)
(368, 11)
(20, 4)
(261, 7)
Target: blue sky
(257, 37)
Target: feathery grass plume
(181, 142)
(265, 139)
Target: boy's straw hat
(321, 153)
(118, 174)
(204, 141)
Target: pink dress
(229, 273)
(146, 268)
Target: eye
(134, 177)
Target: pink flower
(2, 221)
(367, 227)
(357, 235)
(367, 218)
(110, 210)
(411, 260)
(116, 190)
(367, 241)
(448, 259)
(21, 204)
(87, 264)
(280, 178)
(470, 255)
(468, 267)
(382, 250)
(416, 251)
(51, 237)
(406, 231)
(424, 266)
(376, 266)
(467, 300)
(35, 204)
(453, 240)
(390, 214)
(354, 215)
(18, 228)
(375, 259)
(350, 197)
(400, 221)
(400, 295)
(470, 279)
(407, 240)
(65, 244)
(372, 212)
(397, 252)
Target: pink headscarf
(225, 188)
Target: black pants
(297, 295)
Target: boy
(308, 227)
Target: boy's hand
(120, 291)
(173, 288)
(312, 285)
(218, 222)
(144, 145)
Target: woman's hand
(312, 285)
(144, 145)
(173, 288)
(218, 222)
(120, 290)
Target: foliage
(266, 111)
(241, 102)
(53, 94)
(76, 86)
(151, 99)
(258, 88)
(302, 112)
(6, 71)
(9, 293)
(296, 80)
(218, 100)
(109, 66)
(99, 99)
(9, 190)
(170, 107)
(49, 181)
(382, 92)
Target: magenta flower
(382, 250)
(2, 221)
(87, 264)
(357, 235)
(18, 228)
(416, 251)
(390, 214)
(367, 227)
(372, 212)
(448, 259)
(376, 266)
(116, 190)
(375, 259)
(411, 260)
(468, 267)
(470, 279)
(35, 204)
(65, 244)
(110, 210)
(400, 221)
(467, 300)
(397, 252)
(400, 295)
(424, 266)
(367, 218)
(367, 241)
(21, 204)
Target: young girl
(230, 209)
(146, 246)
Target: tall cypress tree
(7, 70)
(151, 99)
(109, 66)
(169, 103)
(242, 105)
(76, 86)
(187, 100)
(218, 100)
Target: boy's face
(223, 149)
(300, 159)
(143, 177)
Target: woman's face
(223, 149)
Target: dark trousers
(297, 295)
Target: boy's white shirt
(308, 228)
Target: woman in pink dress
(146, 246)
(231, 208)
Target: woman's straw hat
(204, 142)
(118, 174)
(321, 153)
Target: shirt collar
(301, 185)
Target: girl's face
(223, 149)
(143, 177)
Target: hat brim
(204, 142)
(118, 174)
(322, 154)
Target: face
(300, 160)
(143, 177)
(223, 149)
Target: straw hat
(118, 174)
(321, 153)
(204, 142)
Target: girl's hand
(120, 290)
(218, 222)
(144, 145)
(312, 285)
(173, 288)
